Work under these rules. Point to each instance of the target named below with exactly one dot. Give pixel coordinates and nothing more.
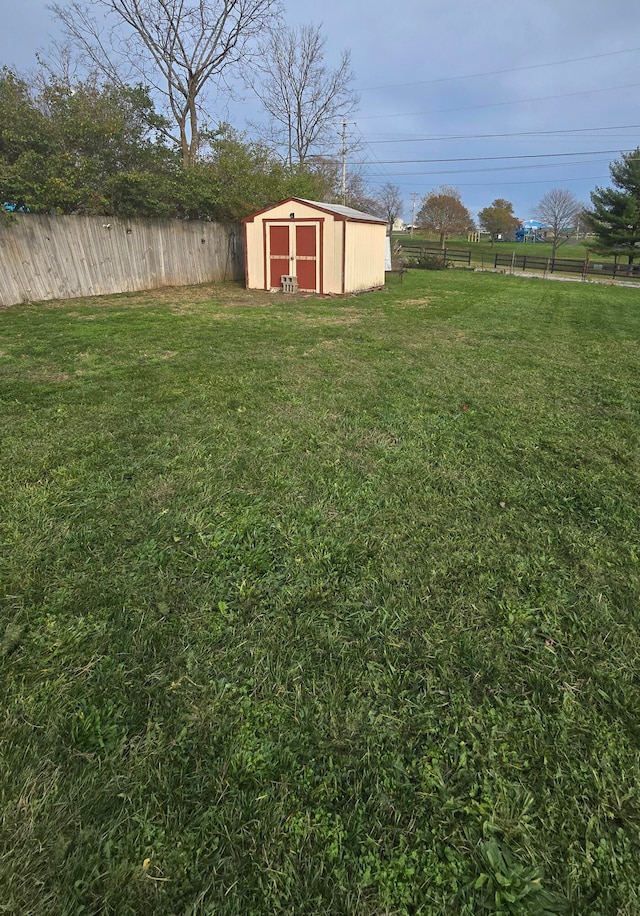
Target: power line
(382, 170)
(596, 152)
(492, 184)
(448, 79)
(520, 133)
(504, 168)
(542, 98)
(547, 181)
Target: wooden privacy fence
(63, 257)
(583, 266)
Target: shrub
(433, 261)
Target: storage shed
(327, 248)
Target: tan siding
(62, 257)
(332, 256)
(255, 255)
(364, 263)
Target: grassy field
(322, 606)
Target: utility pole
(344, 163)
(414, 197)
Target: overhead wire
(379, 167)
(383, 172)
(448, 79)
(542, 98)
(489, 184)
(498, 136)
(599, 152)
(505, 168)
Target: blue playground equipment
(530, 230)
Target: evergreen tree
(615, 217)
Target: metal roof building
(327, 248)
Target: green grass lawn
(322, 606)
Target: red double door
(293, 251)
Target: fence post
(513, 258)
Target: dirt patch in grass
(182, 300)
(161, 354)
(160, 494)
(330, 320)
(47, 376)
(178, 295)
(329, 348)
(417, 303)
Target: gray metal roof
(347, 212)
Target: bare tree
(390, 203)
(327, 175)
(176, 47)
(359, 196)
(442, 211)
(559, 210)
(304, 99)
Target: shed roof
(347, 212)
(343, 213)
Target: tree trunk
(184, 142)
(195, 133)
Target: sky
(499, 99)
